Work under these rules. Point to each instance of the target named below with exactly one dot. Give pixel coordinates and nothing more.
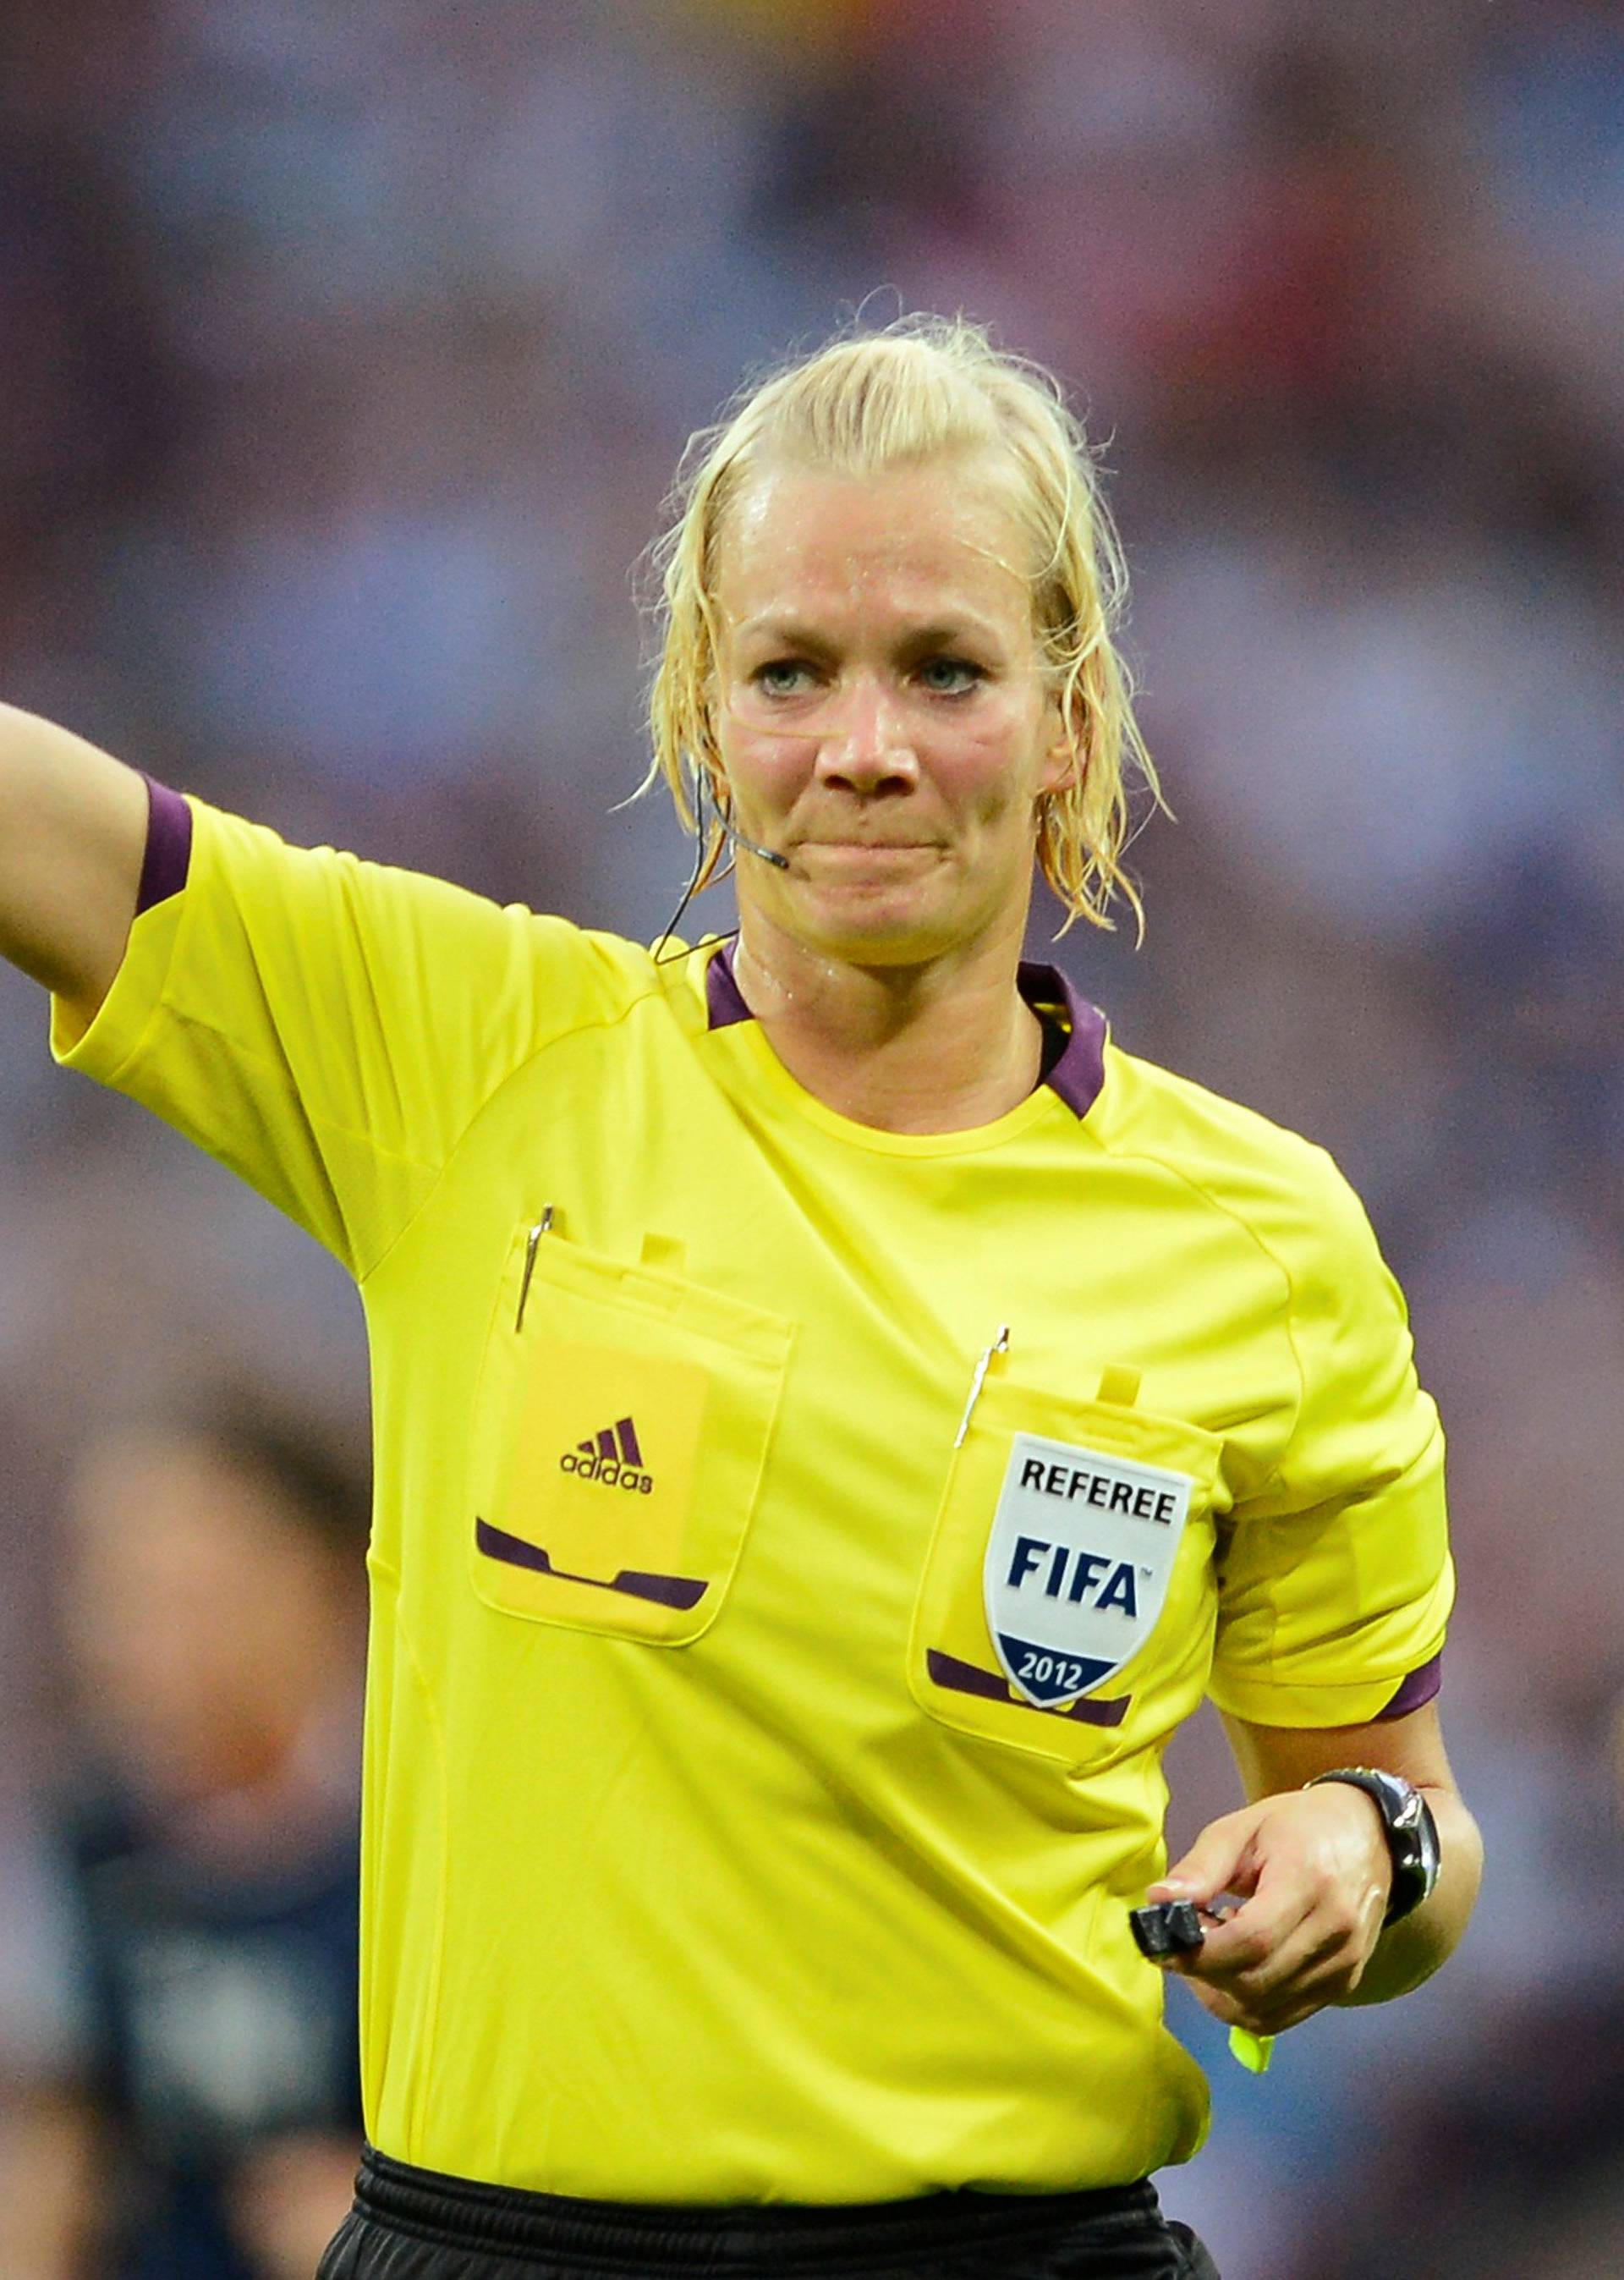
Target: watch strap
(1407, 1824)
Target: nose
(869, 751)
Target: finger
(1318, 1963)
(1261, 1943)
(1304, 1971)
(1272, 2019)
(1289, 1987)
(1271, 2014)
(1294, 1926)
(1305, 1913)
(1243, 1940)
(1220, 1861)
(1284, 1899)
(1289, 1926)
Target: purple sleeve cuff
(1419, 1688)
(169, 846)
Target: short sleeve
(326, 1027)
(1334, 1579)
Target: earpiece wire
(662, 956)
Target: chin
(878, 934)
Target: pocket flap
(1071, 1556)
(623, 1420)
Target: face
(884, 720)
(203, 1622)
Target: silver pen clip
(543, 1226)
(1000, 1344)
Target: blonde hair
(865, 403)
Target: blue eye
(779, 677)
(950, 676)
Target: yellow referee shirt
(793, 1543)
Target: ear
(718, 789)
(1066, 760)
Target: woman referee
(836, 1413)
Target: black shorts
(414, 2224)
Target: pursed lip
(871, 846)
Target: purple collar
(1076, 1076)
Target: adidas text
(609, 1470)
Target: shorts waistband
(791, 2238)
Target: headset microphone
(767, 855)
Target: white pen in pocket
(1000, 1344)
(543, 1226)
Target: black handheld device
(1167, 1927)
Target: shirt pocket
(1067, 1604)
(622, 1421)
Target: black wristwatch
(1411, 1831)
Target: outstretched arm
(72, 834)
(1311, 1871)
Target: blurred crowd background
(347, 356)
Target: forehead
(938, 537)
(146, 1490)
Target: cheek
(988, 767)
(766, 765)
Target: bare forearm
(46, 2188)
(1414, 1948)
(72, 827)
(1311, 1861)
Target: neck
(287, 1804)
(941, 1046)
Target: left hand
(1311, 1871)
(289, 2196)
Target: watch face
(1403, 1799)
(1413, 1838)
(1431, 1856)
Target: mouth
(838, 847)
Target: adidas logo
(612, 1458)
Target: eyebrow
(787, 631)
(923, 641)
